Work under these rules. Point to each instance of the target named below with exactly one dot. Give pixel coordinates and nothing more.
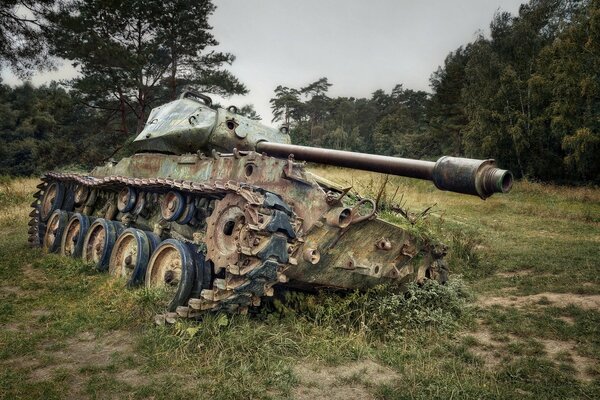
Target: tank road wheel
(81, 194)
(126, 199)
(99, 242)
(172, 205)
(72, 239)
(54, 231)
(172, 267)
(187, 214)
(51, 200)
(130, 255)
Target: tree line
(131, 55)
(527, 94)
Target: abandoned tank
(218, 210)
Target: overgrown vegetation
(383, 313)
(66, 330)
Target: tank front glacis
(220, 230)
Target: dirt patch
(26, 363)
(490, 350)
(588, 302)
(487, 348)
(567, 320)
(567, 352)
(7, 291)
(350, 381)
(39, 313)
(513, 274)
(11, 327)
(34, 274)
(85, 351)
(132, 377)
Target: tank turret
(190, 124)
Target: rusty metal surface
(331, 233)
(370, 162)
(187, 125)
(462, 175)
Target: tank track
(265, 245)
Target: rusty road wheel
(172, 205)
(130, 255)
(172, 268)
(126, 199)
(54, 231)
(224, 227)
(99, 242)
(81, 194)
(72, 239)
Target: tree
(22, 42)
(316, 106)
(395, 133)
(249, 111)
(447, 118)
(183, 30)
(42, 128)
(573, 66)
(135, 54)
(286, 105)
(506, 96)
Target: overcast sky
(360, 46)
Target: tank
(218, 211)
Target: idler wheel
(130, 255)
(52, 200)
(172, 206)
(74, 234)
(172, 268)
(126, 199)
(99, 242)
(54, 231)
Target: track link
(265, 243)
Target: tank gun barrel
(462, 175)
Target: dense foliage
(527, 95)
(135, 54)
(42, 128)
(132, 56)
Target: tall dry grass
(15, 198)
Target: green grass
(68, 331)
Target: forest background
(527, 94)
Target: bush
(384, 313)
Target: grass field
(523, 321)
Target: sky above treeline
(360, 46)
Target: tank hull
(239, 213)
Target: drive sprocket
(223, 231)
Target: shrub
(383, 312)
